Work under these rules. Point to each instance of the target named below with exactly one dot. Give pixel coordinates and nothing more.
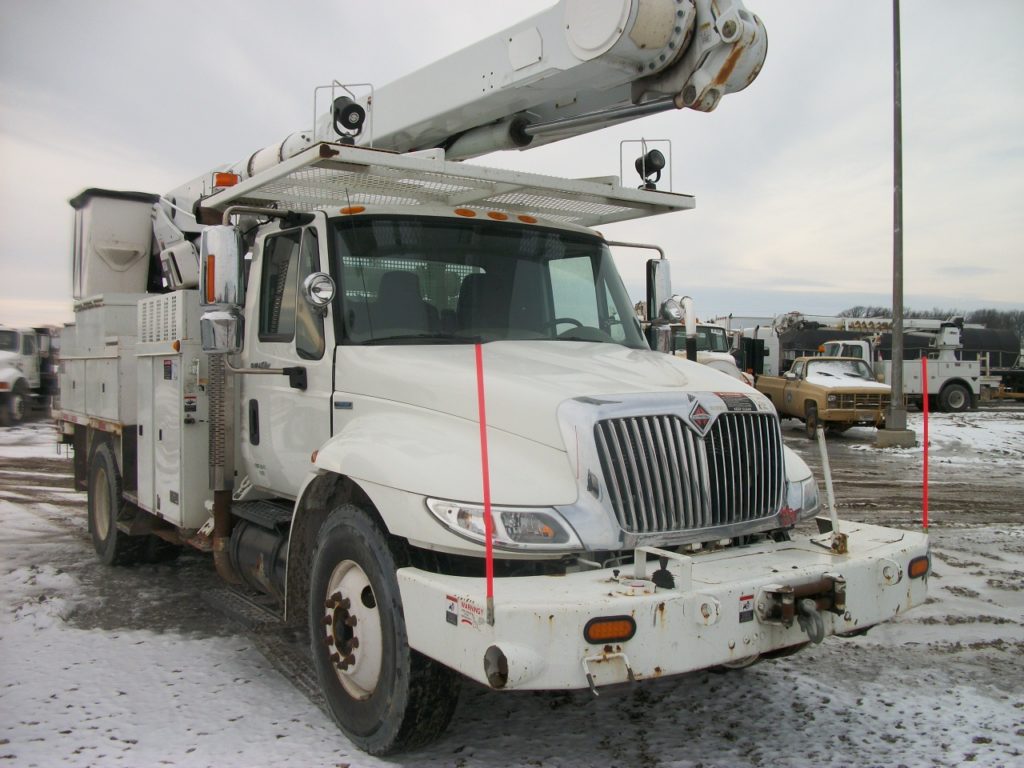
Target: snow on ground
(970, 437)
(105, 667)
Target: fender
(392, 456)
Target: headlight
(832, 399)
(802, 498)
(514, 527)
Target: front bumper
(720, 611)
(872, 416)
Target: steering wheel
(559, 320)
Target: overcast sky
(793, 176)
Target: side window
(28, 345)
(572, 290)
(309, 324)
(288, 259)
(279, 286)
(798, 369)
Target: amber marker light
(609, 629)
(225, 179)
(211, 264)
(351, 209)
(497, 215)
(312, 456)
(527, 219)
(467, 212)
(918, 567)
(176, 345)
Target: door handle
(254, 422)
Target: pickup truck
(838, 392)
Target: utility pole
(896, 432)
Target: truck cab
(21, 371)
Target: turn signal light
(225, 179)
(918, 567)
(609, 629)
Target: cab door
(284, 418)
(791, 389)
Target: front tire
(105, 505)
(385, 696)
(15, 404)
(811, 421)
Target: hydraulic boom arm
(579, 66)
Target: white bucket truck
(408, 397)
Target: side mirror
(222, 290)
(318, 290)
(222, 264)
(789, 375)
(659, 287)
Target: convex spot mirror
(318, 291)
(671, 310)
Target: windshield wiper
(423, 338)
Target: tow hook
(810, 620)
(781, 604)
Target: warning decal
(451, 614)
(461, 611)
(746, 608)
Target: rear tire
(105, 506)
(954, 398)
(385, 696)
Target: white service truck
(27, 374)
(408, 397)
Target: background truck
(953, 384)
(835, 392)
(27, 371)
(241, 383)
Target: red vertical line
(485, 471)
(924, 409)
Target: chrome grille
(662, 476)
(851, 400)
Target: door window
(288, 258)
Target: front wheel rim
(353, 631)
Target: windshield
(839, 369)
(8, 341)
(408, 280)
(710, 338)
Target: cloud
(793, 176)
